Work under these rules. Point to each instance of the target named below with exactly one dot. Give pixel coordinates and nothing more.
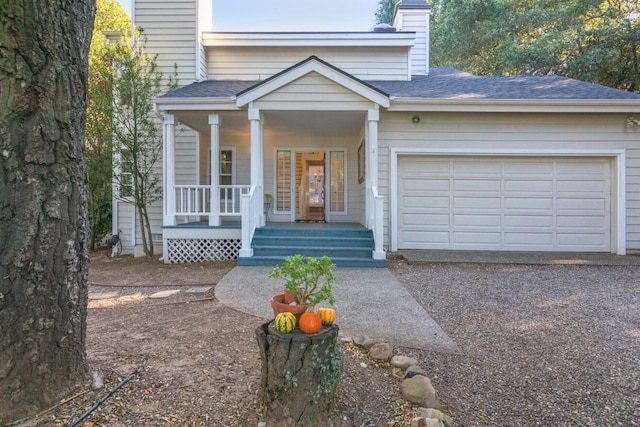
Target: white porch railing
(250, 218)
(196, 199)
(377, 223)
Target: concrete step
(338, 261)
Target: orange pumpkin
(327, 315)
(309, 323)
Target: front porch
(268, 143)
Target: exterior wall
(259, 63)
(416, 20)
(125, 227)
(170, 27)
(460, 131)
(313, 91)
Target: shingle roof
(445, 83)
(450, 83)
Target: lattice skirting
(199, 250)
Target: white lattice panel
(199, 250)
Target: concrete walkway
(369, 301)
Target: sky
(290, 15)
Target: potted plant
(309, 281)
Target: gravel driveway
(544, 345)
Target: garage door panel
(429, 220)
(417, 239)
(477, 203)
(524, 220)
(504, 203)
(582, 240)
(581, 222)
(532, 239)
(465, 168)
(477, 185)
(476, 238)
(476, 220)
(423, 184)
(520, 186)
(583, 186)
(574, 204)
(420, 202)
(515, 169)
(528, 203)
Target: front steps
(346, 246)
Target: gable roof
(302, 68)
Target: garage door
(504, 203)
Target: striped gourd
(285, 322)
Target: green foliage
(137, 140)
(111, 17)
(303, 278)
(591, 40)
(385, 11)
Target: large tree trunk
(43, 201)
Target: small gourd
(285, 322)
(310, 323)
(327, 315)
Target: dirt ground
(201, 360)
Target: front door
(310, 187)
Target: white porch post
(214, 214)
(257, 172)
(371, 161)
(169, 169)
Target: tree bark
(43, 201)
(300, 373)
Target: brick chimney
(413, 15)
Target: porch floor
(283, 225)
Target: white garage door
(504, 203)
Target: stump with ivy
(300, 373)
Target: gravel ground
(540, 345)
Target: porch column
(214, 211)
(257, 172)
(371, 161)
(169, 169)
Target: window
(283, 181)
(226, 167)
(337, 197)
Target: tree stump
(300, 373)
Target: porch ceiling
(280, 123)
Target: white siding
(313, 91)
(461, 131)
(244, 63)
(170, 28)
(418, 22)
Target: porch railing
(377, 223)
(196, 199)
(250, 217)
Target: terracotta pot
(289, 297)
(279, 306)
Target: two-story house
(352, 140)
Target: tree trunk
(43, 201)
(300, 373)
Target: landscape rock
(403, 362)
(383, 351)
(434, 413)
(426, 422)
(363, 341)
(414, 370)
(419, 390)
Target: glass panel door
(283, 181)
(310, 187)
